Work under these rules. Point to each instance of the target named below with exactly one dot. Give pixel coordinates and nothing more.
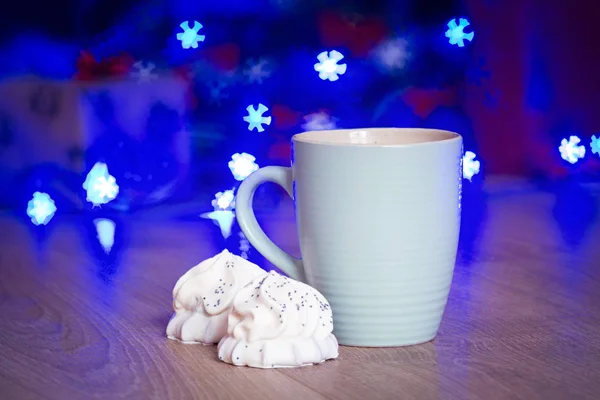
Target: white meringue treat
(278, 322)
(203, 297)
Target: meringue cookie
(278, 322)
(203, 297)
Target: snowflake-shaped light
(318, 122)
(189, 37)
(143, 72)
(570, 151)
(328, 67)
(217, 92)
(478, 72)
(595, 145)
(223, 215)
(100, 186)
(456, 34)
(41, 208)
(242, 165)
(391, 55)
(470, 165)
(224, 200)
(257, 71)
(255, 117)
(223, 218)
(105, 231)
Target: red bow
(284, 117)
(89, 69)
(424, 101)
(360, 38)
(225, 57)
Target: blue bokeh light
(328, 67)
(190, 37)
(456, 34)
(471, 166)
(224, 200)
(144, 72)
(255, 117)
(242, 165)
(100, 186)
(41, 208)
(257, 71)
(595, 145)
(570, 150)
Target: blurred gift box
(52, 133)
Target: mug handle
(247, 220)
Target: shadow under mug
(378, 217)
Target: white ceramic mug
(378, 216)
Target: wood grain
(522, 322)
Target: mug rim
(450, 137)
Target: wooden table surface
(522, 321)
